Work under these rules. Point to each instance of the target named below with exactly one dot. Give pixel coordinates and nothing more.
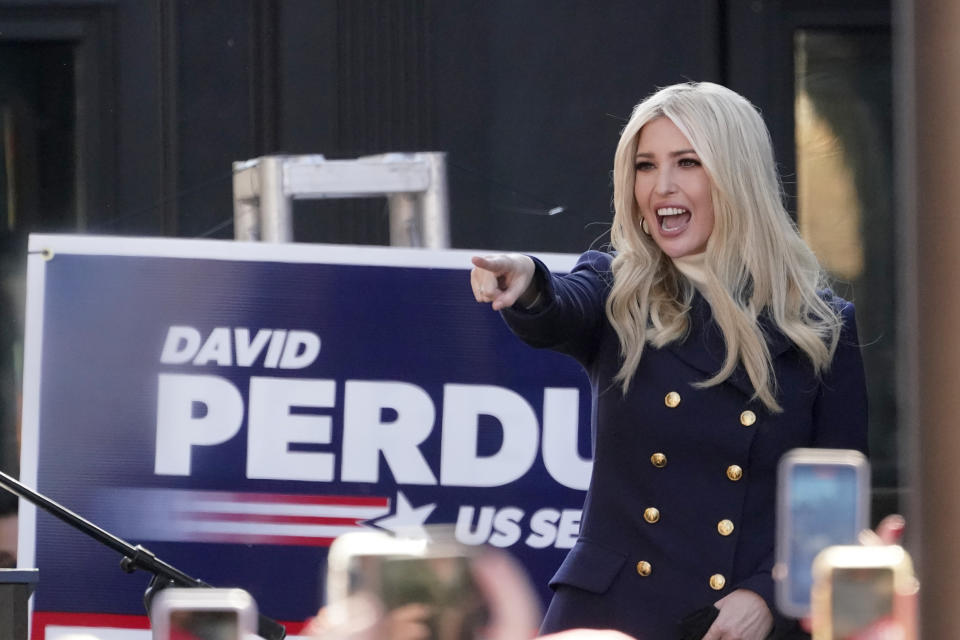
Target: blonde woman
(712, 347)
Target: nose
(665, 184)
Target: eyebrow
(672, 154)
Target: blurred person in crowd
(8, 530)
(712, 347)
(12, 258)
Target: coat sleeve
(839, 422)
(570, 311)
(840, 410)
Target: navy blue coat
(680, 510)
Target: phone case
(823, 499)
(206, 605)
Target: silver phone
(823, 499)
(203, 614)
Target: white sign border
(362, 255)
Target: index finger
(497, 264)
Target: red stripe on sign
(253, 538)
(356, 501)
(43, 619)
(257, 517)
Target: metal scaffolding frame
(415, 185)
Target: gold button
(644, 568)
(747, 418)
(717, 581)
(658, 460)
(725, 527)
(734, 472)
(672, 400)
(651, 514)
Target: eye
(688, 162)
(644, 165)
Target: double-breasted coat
(680, 509)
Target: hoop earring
(643, 225)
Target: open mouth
(673, 219)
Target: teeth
(670, 211)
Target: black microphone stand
(134, 557)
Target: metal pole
(434, 203)
(937, 126)
(15, 589)
(276, 209)
(907, 375)
(246, 201)
(246, 220)
(404, 220)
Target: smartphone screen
(444, 583)
(861, 601)
(186, 624)
(823, 511)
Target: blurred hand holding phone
(850, 591)
(864, 593)
(399, 588)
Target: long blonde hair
(756, 262)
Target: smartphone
(203, 614)
(863, 592)
(434, 571)
(823, 499)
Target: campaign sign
(234, 407)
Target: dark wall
(531, 102)
(527, 98)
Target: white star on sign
(406, 520)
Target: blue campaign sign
(234, 407)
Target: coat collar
(704, 348)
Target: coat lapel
(704, 348)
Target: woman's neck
(694, 267)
